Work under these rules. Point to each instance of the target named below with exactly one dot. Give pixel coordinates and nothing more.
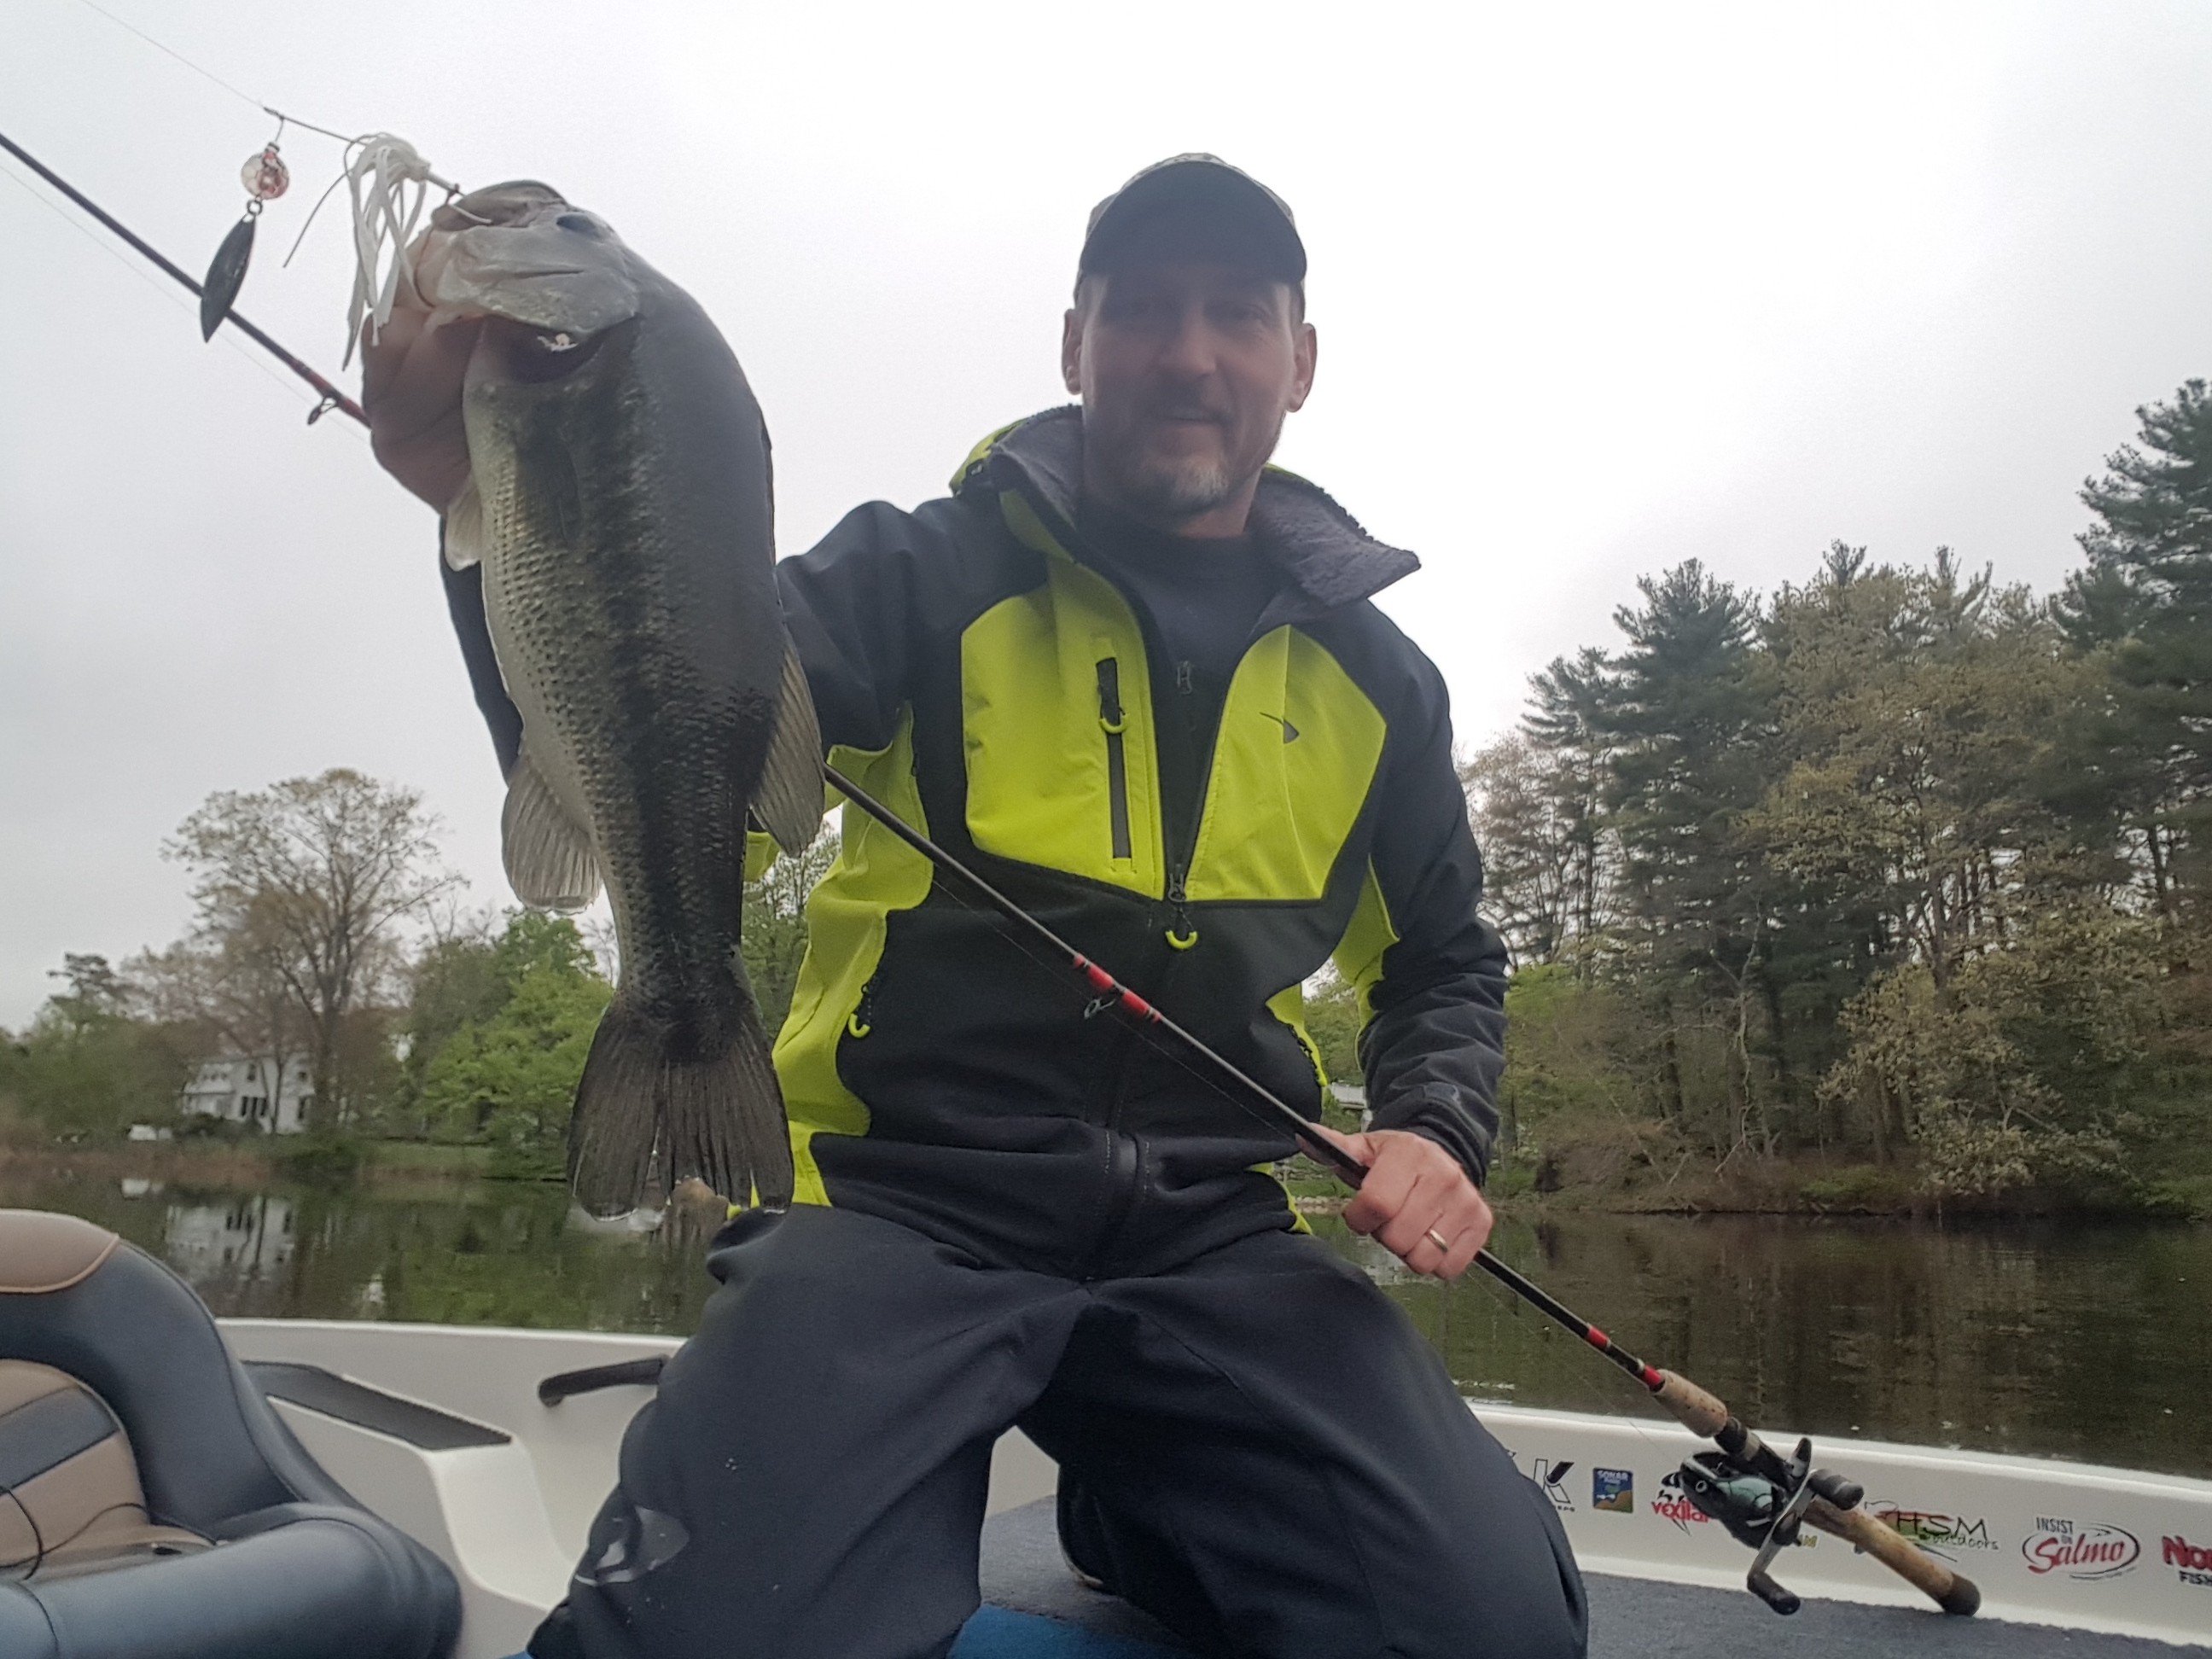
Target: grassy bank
(218, 1164)
(1616, 1177)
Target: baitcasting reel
(1763, 1508)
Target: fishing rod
(1761, 1497)
(330, 397)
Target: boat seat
(152, 1505)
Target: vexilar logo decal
(2080, 1549)
(1675, 1505)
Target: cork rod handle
(1951, 1591)
(1701, 1413)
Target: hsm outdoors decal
(1614, 1490)
(1936, 1533)
(1675, 1506)
(2080, 1549)
(2192, 1563)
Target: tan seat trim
(42, 1252)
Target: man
(1133, 674)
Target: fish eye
(582, 224)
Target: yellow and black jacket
(973, 669)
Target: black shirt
(1203, 594)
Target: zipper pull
(861, 1021)
(1182, 677)
(1181, 935)
(1109, 696)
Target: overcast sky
(1598, 288)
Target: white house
(252, 1088)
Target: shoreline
(1778, 1188)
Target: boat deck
(1036, 1610)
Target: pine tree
(2146, 600)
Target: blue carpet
(1000, 1633)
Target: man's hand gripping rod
(1786, 1491)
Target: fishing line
(139, 273)
(209, 74)
(206, 74)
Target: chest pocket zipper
(1111, 720)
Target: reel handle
(1953, 1592)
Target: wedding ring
(1444, 1244)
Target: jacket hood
(1327, 559)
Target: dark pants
(1274, 1462)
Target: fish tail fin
(725, 1121)
(616, 1130)
(652, 1110)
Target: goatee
(1178, 490)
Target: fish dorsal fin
(789, 800)
(461, 528)
(550, 862)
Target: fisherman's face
(1187, 366)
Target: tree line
(1895, 876)
(329, 937)
(1900, 868)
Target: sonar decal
(1614, 1490)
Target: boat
(489, 1450)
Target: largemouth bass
(619, 510)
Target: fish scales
(620, 511)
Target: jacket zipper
(1117, 760)
(1181, 934)
(1124, 1156)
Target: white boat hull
(2050, 1543)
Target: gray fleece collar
(1326, 560)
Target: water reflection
(2068, 1340)
(234, 1241)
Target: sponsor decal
(1935, 1532)
(1614, 1490)
(1673, 1504)
(2080, 1549)
(2192, 1563)
(1552, 1478)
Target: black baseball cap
(1228, 198)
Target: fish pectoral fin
(460, 529)
(789, 800)
(548, 857)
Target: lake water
(2089, 1342)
